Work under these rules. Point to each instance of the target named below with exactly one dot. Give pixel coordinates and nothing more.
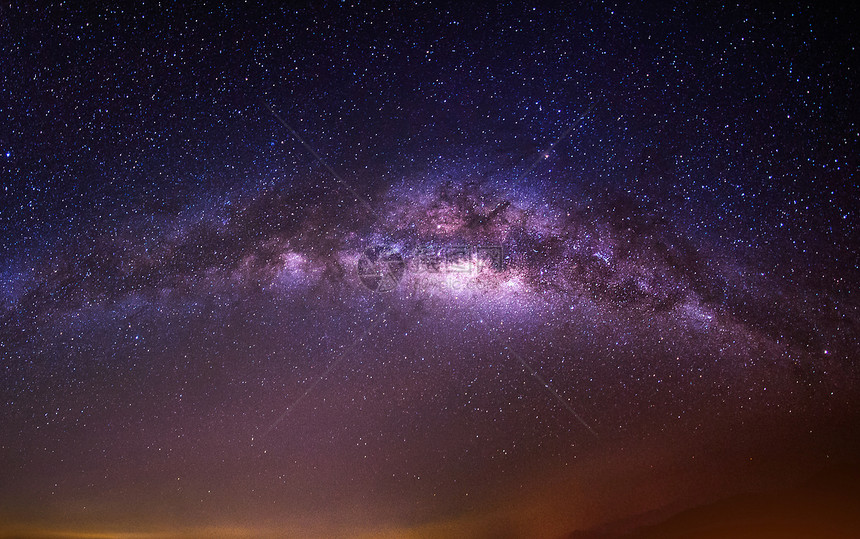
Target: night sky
(357, 270)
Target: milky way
(350, 277)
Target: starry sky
(346, 269)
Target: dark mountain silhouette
(826, 506)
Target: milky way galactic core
(408, 271)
